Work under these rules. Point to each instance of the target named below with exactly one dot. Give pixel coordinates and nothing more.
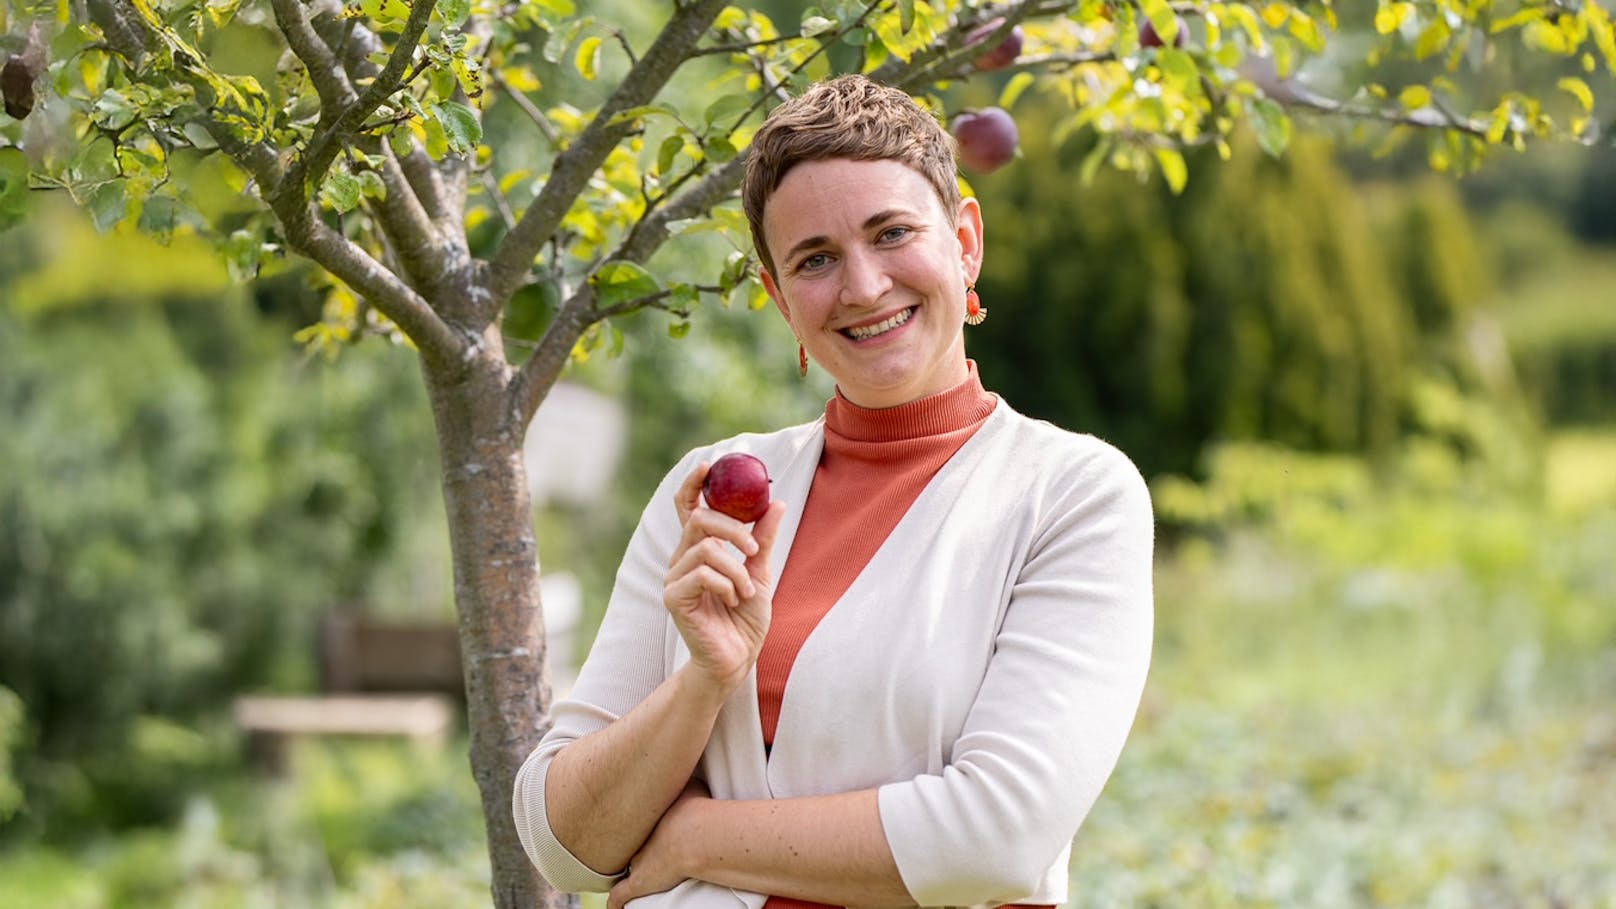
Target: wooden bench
(272, 723)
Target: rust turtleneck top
(874, 466)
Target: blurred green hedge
(181, 493)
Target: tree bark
(496, 578)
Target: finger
(705, 522)
(688, 495)
(712, 553)
(703, 579)
(765, 532)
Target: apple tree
(363, 151)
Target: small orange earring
(975, 312)
(802, 360)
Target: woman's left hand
(657, 866)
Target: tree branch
(574, 166)
(939, 62)
(543, 368)
(428, 187)
(406, 222)
(1424, 118)
(546, 128)
(332, 84)
(311, 166)
(436, 339)
(355, 45)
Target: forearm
(605, 792)
(826, 849)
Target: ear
(774, 293)
(968, 229)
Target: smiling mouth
(866, 332)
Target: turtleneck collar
(964, 405)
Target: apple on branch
(987, 139)
(1004, 54)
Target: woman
(924, 707)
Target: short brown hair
(846, 117)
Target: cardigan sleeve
(625, 664)
(1055, 706)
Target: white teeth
(880, 328)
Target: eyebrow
(871, 222)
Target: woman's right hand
(720, 604)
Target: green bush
(1269, 302)
(181, 494)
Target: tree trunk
(496, 575)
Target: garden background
(1377, 406)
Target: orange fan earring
(802, 360)
(975, 312)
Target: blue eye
(817, 260)
(893, 234)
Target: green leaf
(1579, 89)
(460, 125)
(620, 282)
(683, 297)
(1433, 39)
(371, 185)
(341, 191)
(241, 255)
(720, 150)
(1414, 97)
(587, 59)
(200, 138)
(644, 110)
(814, 26)
(1519, 18)
(906, 15)
(668, 152)
(561, 35)
(108, 204)
(1013, 89)
(13, 187)
(679, 329)
(726, 107)
(385, 11)
(454, 12)
(1172, 168)
(159, 215)
(735, 269)
(1272, 125)
(1163, 19)
(758, 297)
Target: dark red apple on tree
(987, 139)
(1001, 56)
(1148, 37)
(738, 485)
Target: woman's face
(871, 275)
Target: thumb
(764, 532)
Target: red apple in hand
(987, 139)
(738, 485)
(1003, 55)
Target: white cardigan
(983, 671)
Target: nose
(864, 278)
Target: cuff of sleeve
(909, 825)
(563, 870)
